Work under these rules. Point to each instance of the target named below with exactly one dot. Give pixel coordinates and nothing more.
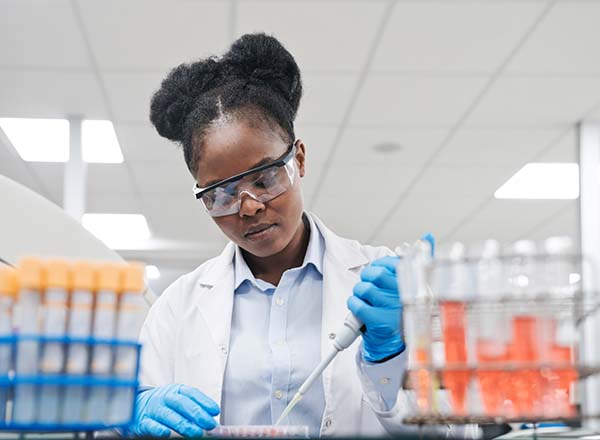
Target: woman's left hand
(376, 302)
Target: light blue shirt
(275, 344)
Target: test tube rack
(83, 384)
(513, 354)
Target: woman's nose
(250, 205)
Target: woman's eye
(260, 184)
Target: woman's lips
(260, 234)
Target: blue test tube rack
(10, 384)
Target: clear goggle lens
(262, 185)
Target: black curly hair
(257, 80)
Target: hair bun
(178, 93)
(261, 59)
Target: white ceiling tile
(40, 34)
(564, 150)
(114, 203)
(563, 223)
(415, 99)
(436, 214)
(536, 101)
(495, 146)
(130, 94)
(155, 34)
(507, 220)
(176, 217)
(458, 36)
(565, 42)
(156, 178)
(108, 179)
(357, 146)
(467, 181)
(324, 35)
(50, 95)
(326, 97)
(141, 142)
(353, 191)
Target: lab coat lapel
(342, 263)
(215, 304)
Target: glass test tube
(411, 273)
(79, 327)
(9, 285)
(490, 327)
(560, 268)
(525, 347)
(103, 328)
(28, 319)
(453, 293)
(54, 318)
(131, 313)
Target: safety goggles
(262, 183)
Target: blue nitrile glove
(376, 302)
(176, 407)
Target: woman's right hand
(177, 407)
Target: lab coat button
(327, 423)
(278, 394)
(223, 349)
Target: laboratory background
(466, 119)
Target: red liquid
(492, 382)
(423, 381)
(453, 334)
(526, 388)
(558, 382)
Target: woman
(238, 336)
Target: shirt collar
(314, 255)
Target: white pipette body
(348, 333)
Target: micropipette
(344, 338)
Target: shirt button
(327, 423)
(384, 380)
(279, 301)
(278, 394)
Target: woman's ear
(300, 157)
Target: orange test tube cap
(83, 276)
(108, 277)
(59, 274)
(133, 278)
(33, 274)
(9, 282)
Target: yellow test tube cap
(83, 276)
(9, 282)
(133, 278)
(58, 274)
(108, 277)
(33, 274)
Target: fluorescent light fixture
(117, 231)
(47, 140)
(38, 140)
(558, 181)
(100, 144)
(152, 272)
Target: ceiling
(471, 91)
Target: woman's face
(234, 147)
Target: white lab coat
(186, 338)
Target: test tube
(78, 330)
(9, 284)
(54, 318)
(103, 331)
(525, 346)
(491, 327)
(131, 313)
(560, 265)
(411, 273)
(28, 320)
(454, 290)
